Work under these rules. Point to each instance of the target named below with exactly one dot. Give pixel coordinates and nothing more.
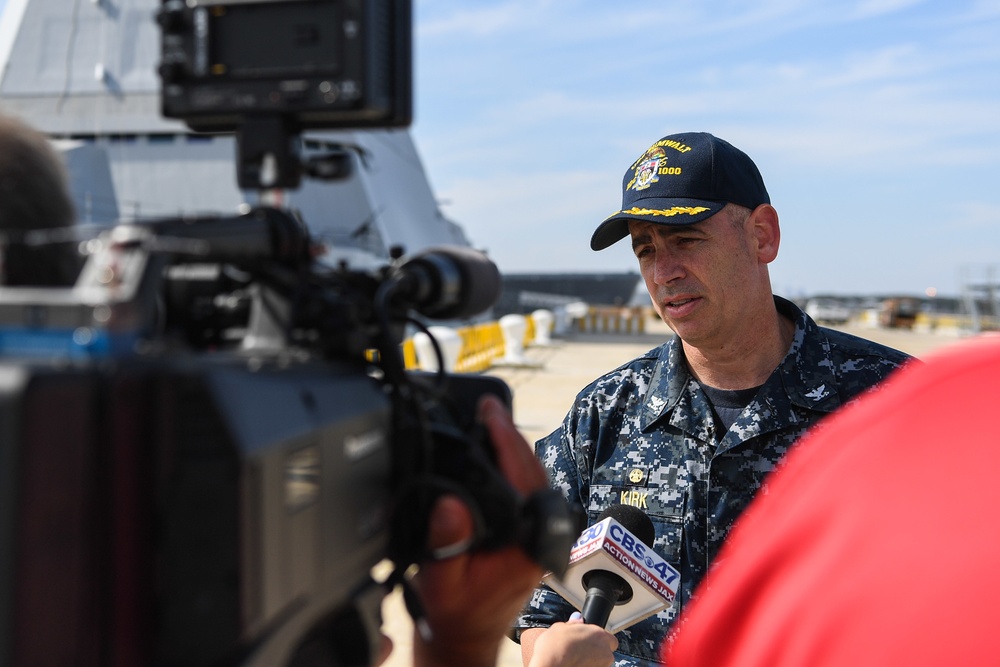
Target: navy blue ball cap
(682, 179)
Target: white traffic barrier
(513, 328)
(567, 316)
(447, 339)
(543, 326)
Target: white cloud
(975, 215)
(475, 21)
(876, 8)
(888, 64)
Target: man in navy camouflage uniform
(689, 431)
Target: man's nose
(667, 268)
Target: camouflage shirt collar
(806, 373)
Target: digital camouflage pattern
(644, 434)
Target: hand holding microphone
(574, 643)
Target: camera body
(208, 443)
(188, 511)
(268, 69)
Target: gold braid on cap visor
(666, 212)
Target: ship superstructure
(84, 72)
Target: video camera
(209, 442)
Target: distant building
(525, 292)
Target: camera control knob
(172, 19)
(172, 71)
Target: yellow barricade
(481, 344)
(409, 354)
(612, 319)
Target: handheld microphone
(606, 590)
(614, 577)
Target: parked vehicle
(827, 311)
(899, 313)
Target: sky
(875, 123)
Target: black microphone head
(633, 519)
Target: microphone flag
(608, 545)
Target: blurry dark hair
(34, 195)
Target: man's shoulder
(843, 345)
(853, 364)
(836, 344)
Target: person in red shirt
(875, 543)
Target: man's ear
(766, 232)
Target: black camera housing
(316, 63)
(209, 442)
